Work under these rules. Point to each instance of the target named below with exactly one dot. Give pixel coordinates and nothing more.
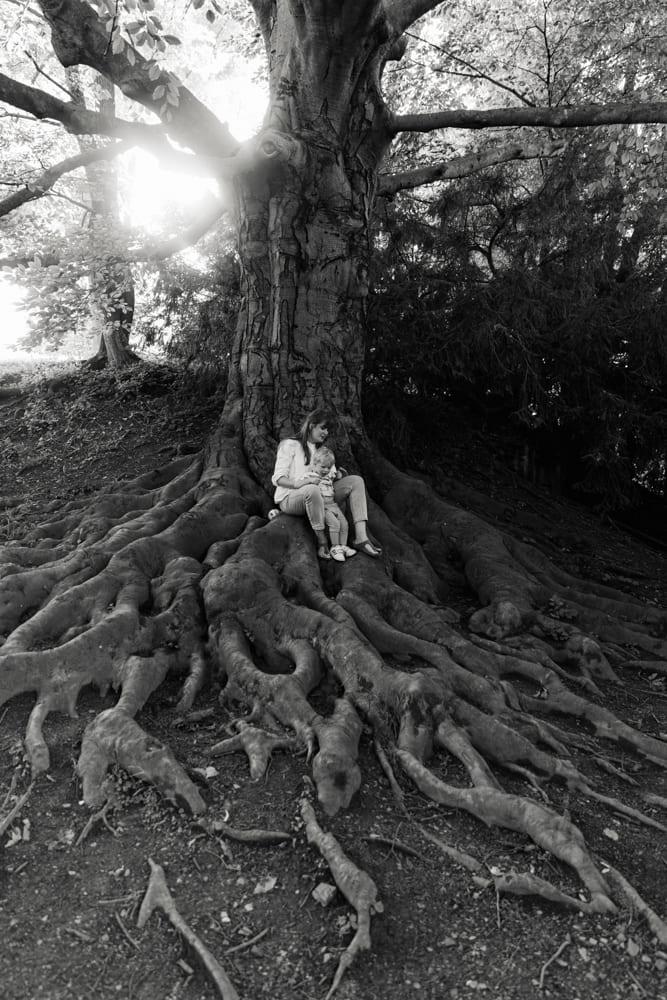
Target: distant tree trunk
(112, 291)
(116, 309)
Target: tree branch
(586, 116)
(39, 187)
(402, 13)
(473, 71)
(76, 119)
(463, 166)
(209, 214)
(186, 238)
(79, 36)
(79, 120)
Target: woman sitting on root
(297, 491)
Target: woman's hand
(307, 480)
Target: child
(334, 518)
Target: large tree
(123, 589)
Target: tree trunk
(111, 283)
(304, 242)
(114, 305)
(180, 571)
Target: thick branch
(79, 37)
(463, 166)
(75, 118)
(586, 116)
(186, 238)
(39, 187)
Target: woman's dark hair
(318, 416)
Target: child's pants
(348, 491)
(336, 523)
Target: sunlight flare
(14, 324)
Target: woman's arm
(284, 462)
(290, 470)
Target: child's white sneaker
(348, 552)
(337, 552)
(274, 513)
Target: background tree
(137, 581)
(527, 303)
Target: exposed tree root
(7, 820)
(257, 744)
(255, 836)
(357, 887)
(158, 897)
(179, 573)
(460, 857)
(558, 952)
(630, 895)
(97, 817)
(545, 827)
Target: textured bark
(181, 568)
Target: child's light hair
(324, 455)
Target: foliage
(46, 245)
(189, 307)
(535, 301)
(531, 292)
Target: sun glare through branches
(155, 195)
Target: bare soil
(68, 911)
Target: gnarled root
(357, 887)
(335, 769)
(123, 593)
(628, 894)
(114, 736)
(545, 827)
(257, 744)
(158, 897)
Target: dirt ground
(68, 911)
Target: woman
(297, 491)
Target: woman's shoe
(348, 552)
(323, 552)
(368, 549)
(337, 552)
